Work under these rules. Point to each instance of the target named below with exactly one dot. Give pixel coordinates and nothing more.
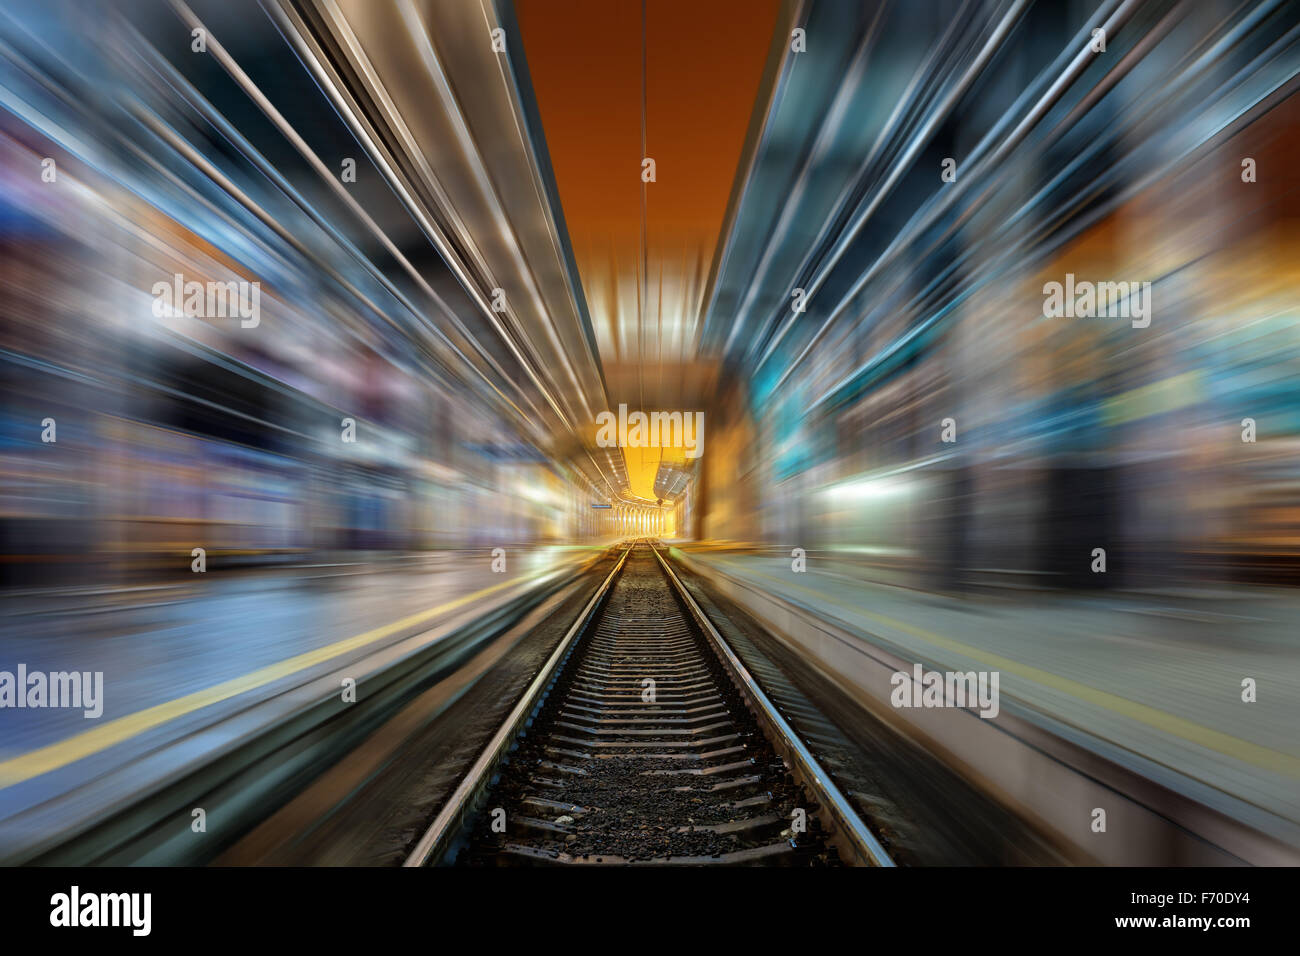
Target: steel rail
(446, 826)
(847, 830)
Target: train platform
(187, 666)
(1156, 677)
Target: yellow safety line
(66, 751)
(1226, 744)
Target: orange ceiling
(704, 64)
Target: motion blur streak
(436, 218)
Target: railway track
(644, 740)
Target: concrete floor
(180, 657)
(1158, 675)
